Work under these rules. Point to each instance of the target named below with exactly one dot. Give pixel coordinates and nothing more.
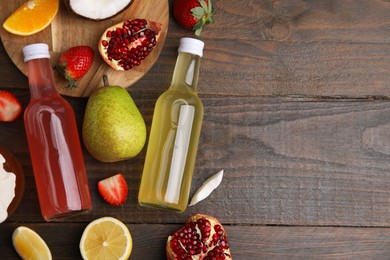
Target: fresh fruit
(124, 45)
(113, 128)
(98, 10)
(113, 189)
(193, 14)
(106, 238)
(32, 17)
(29, 245)
(74, 63)
(10, 107)
(202, 237)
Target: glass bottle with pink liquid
(54, 142)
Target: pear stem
(105, 80)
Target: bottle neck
(186, 72)
(40, 78)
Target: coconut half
(98, 9)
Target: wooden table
(297, 113)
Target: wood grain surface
(247, 242)
(68, 30)
(297, 114)
(299, 162)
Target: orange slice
(32, 17)
(106, 238)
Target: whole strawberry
(193, 14)
(74, 63)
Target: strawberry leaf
(198, 12)
(198, 25)
(61, 68)
(204, 5)
(210, 7)
(203, 14)
(198, 31)
(210, 20)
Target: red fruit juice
(54, 144)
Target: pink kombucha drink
(54, 142)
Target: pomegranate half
(202, 237)
(124, 45)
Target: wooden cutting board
(68, 30)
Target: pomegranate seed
(108, 34)
(105, 43)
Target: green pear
(113, 128)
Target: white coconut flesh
(98, 9)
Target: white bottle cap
(192, 46)
(36, 51)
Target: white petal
(207, 187)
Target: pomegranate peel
(207, 187)
(202, 237)
(124, 45)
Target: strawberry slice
(113, 189)
(10, 107)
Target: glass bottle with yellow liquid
(174, 136)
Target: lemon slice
(29, 245)
(106, 238)
(32, 17)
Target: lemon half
(106, 238)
